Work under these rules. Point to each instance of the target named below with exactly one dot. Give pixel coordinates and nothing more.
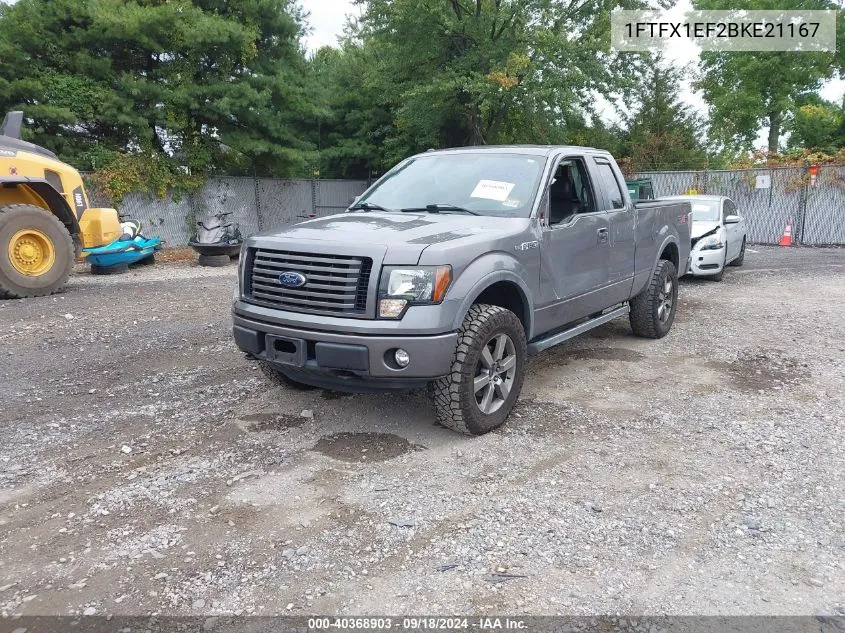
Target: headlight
(241, 265)
(402, 287)
(711, 243)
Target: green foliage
(415, 75)
(746, 91)
(147, 172)
(663, 133)
(183, 87)
(818, 126)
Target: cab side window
(729, 208)
(608, 182)
(570, 192)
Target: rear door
(574, 247)
(621, 219)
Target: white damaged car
(718, 236)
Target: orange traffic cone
(786, 238)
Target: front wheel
(36, 252)
(487, 373)
(653, 310)
(741, 258)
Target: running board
(560, 337)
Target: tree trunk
(775, 119)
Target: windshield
(705, 210)
(487, 184)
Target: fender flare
(669, 239)
(487, 280)
(53, 200)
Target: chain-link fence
(814, 203)
(766, 198)
(256, 204)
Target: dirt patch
(762, 370)
(608, 353)
(363, 447)
(257, 422)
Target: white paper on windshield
(701, 207)
(492, 190)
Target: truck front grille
(335, 284)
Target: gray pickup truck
(454, 267)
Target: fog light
(402, 358)
(391, 308)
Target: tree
(354, 117)
(468, 72)
(746, 91)
(818, 125)
(202, 86)
(663, 133)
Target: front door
(574, 249)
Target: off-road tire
(14, 285)
(216, 261)
(454, 398)
(644, 317)
(278, 377)
(740, 260)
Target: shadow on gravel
(364, 447)
(608, 353)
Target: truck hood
(404, 235)
(697, 229)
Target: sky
(329, 16)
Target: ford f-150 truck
(455, 266)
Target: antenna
(12, 124)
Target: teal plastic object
(123, 252)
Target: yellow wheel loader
(45, 221)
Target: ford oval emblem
(290, 279)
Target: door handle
(602, 233)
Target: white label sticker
(511, 202)
(492, 190)
(701, 207)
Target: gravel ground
(147, 467)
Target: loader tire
(36, 252)
(653, 310)
(456, 396)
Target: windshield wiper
(438, 207)
(367, 206)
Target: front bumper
(347, 362)
(708, 262)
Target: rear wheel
(741, 258)
(487, 373)
(653, 310)
(36, 252)
(278, 377)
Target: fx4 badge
(526, 246)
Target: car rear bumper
(348, 362)
(704, 263)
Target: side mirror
(733, 219)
